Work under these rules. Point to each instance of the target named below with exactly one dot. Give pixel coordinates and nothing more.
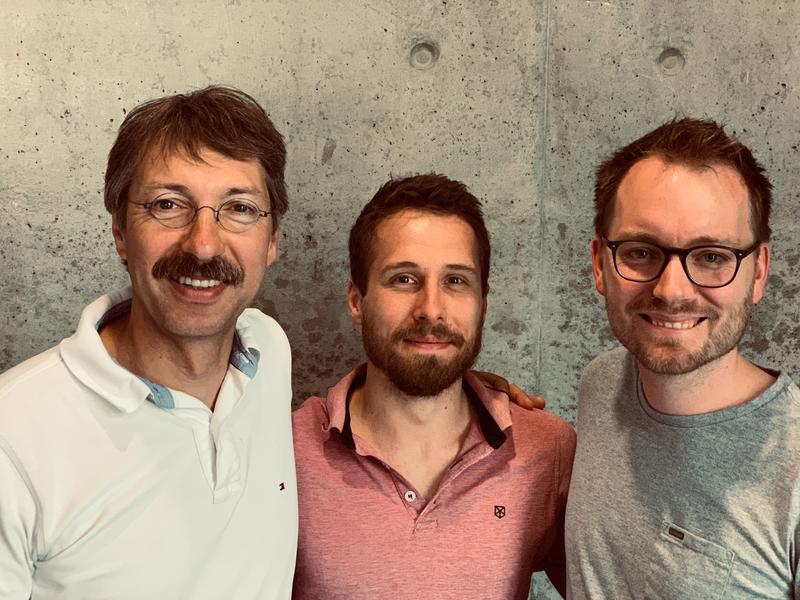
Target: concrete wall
(524, 99)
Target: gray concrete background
(524, 100)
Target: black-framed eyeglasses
(705, 266)
(235, 215)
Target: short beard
(421, 375)
(723, 337)
(183, 264)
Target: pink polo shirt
(497, 516)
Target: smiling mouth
(678, 324)
(198, 283)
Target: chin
(674, 363)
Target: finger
(523, 399)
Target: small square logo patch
(499, 511)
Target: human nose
(429, 305)
(673, 283)
(203, 235)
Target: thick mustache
(439, 331)
(182, 264)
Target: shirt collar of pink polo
(491, 407)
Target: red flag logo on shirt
(499, 511)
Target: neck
(419, 436)
(195, 366)
(725, 382)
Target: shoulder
(537, 419)
(315, 422)
(541, 428)
(39, 399)
(781, 402)
(607, 373)
(310, 431)
(312, 411)
(613, 361)
(25, 386)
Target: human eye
(456, 280)
(403, 279)
(712, 258)
(240, 207)
(638, 253)
(166, 207)
(239, 212)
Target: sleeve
(18, 511)
(555, 564)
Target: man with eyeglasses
(149, 455)
(688, 458)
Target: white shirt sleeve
(18, 511)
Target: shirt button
(410, 496)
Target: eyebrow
(182, 189)
(407, 264)
(702, 240)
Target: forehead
(208, 172)
(425, 238)
(677, 204)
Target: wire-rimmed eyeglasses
(235, 215)
(705, 266)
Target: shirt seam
(21, 379)
(748, 408)
(13, 459)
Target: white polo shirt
(114, 487)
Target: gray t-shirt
(704, 506)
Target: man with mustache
(414, 478)
(688, 461)
(149, 455)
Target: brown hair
(428, 193)
(222, 119)
(694, 143)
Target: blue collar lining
(243, 359)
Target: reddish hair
(694, 143)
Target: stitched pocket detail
(686, 565)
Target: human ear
(119, 239)
(272, 250)
(762, 259)
(354, 301)
(597, 265)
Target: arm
(518, 395)
(18, 512)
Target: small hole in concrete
(424, 55)
(671, 61)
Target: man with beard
(149, 455)
(687, 468)
(415, 478)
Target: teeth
(675, 324)
(198, 283)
